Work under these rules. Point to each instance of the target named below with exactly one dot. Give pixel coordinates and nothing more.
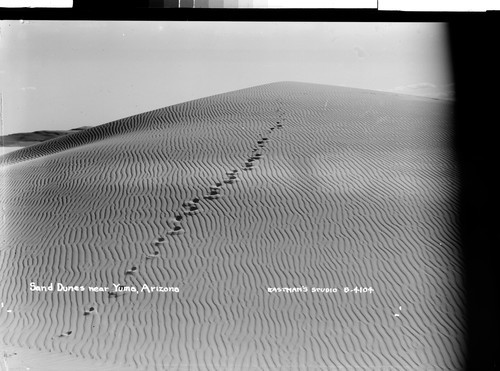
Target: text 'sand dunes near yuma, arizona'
(59, 287)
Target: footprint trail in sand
(227, 198)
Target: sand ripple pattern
(351, 188)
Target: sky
(57, 75)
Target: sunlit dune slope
(334, 187)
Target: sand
(353, 188)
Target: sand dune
(351, 188)
(28, 139)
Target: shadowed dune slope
(335, 187)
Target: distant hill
(35, 137)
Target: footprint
(89, 311)
(193, 202)
(191, 207)
(192, 210)
(153, 255)
(176, 231)
(214, 191)
(159, 241)
(65, 334)
(213, 196)
(131, 270)
(257, 156)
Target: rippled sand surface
(313, 186)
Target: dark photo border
(473, 40)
